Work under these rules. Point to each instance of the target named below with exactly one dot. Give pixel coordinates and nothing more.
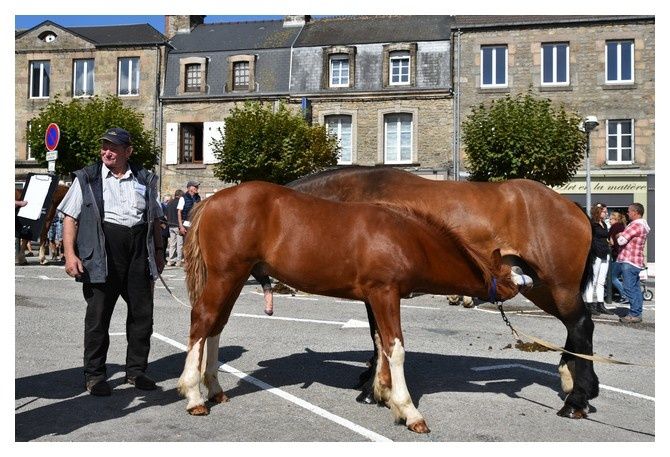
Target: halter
(492, 292)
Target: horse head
(508, 280)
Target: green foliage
(82, 122)
(523, 137)
(278, 147)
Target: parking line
(369, 434)
(525, 367)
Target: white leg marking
(381, 393)
(401, 403)
(521, 279)
(189, 381)
(210, 377)
(567, 373)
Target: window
(129, 76)
(241, 76)
(494, 66)
(619, 62)
(398, 138)
(340, 127)
(191, 143)
(555, 64)
(83, 77)
(339, 70)
(620, 141)
(193, 77)
(399, 68)
(40, 76)
(241, 73)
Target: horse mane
(444, 231)
(196, 270)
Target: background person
(601, 250)
(186, 202)
(631, 260)
(176, 239)
(111, 236)
(617, 225)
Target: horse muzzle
(520, 279)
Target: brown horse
(349, 250)
(536, 228)
(56, 198)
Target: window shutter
(210, 132)
(171, 143)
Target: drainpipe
(457, 109)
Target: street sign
(52, 136)
(51, 166)
(52, 155)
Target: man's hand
(182, 230)
(73, 266)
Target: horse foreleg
(386, 309)
(210, 379)
(365, 379)
(578, 379)
(43, 252)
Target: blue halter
(492, 291)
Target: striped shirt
(124, 199)
(632, 241)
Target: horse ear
(496, 260)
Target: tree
(82, 123)
(278, 147)
(523, 137)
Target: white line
(292, 297)
(419, 307)
(369, 434)
(525, 367)
(258, 316)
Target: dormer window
(47, 36)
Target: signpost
(51, 138)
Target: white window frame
(553, 47)
(343, 64)
(402, 61)
(87, 92)
(619, 62)
(338, 133)
(43, 73)
(133, 82)
(619, 148)
(398, 126)
(494, 61)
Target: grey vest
(90, 237)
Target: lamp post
(590, 123)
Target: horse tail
(196, 269)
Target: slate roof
(508, 21)
(374, 29)
(110, 35)
(235, 36)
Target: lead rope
(594, 358)
(170, 292)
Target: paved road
(291, 377)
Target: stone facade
(61, 53)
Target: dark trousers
(128, 277)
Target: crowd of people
(618, 250)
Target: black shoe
(592, 308)
(603, 309)
(98, 387)
(142, 382)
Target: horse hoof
(419, 427)
(219, 398)
(366, 397)
(200, 410)
(571, 412)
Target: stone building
(594, 65)
(79, 62)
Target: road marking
(526, 367)
(351, 323)
(369, 434)
(419, 307)
(293, 297)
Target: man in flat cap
(111, 237)
(186, 202)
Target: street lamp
(590, 123)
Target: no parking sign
(51, 138)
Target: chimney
(181, 24)
(295, 21)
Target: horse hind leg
(211, 367)
(208, 317)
